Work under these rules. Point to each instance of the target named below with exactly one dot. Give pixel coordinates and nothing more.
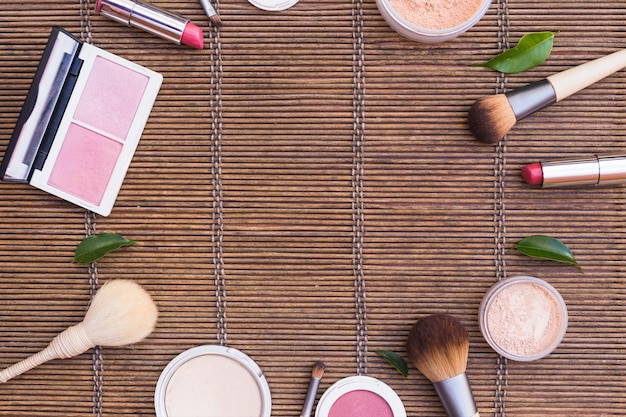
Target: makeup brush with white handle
(121, 313)
(491, 117)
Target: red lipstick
(595, 170)
(533, 174)
(153, 20)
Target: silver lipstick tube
(144, 16)
(588, 171)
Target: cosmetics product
(210, 11)
(491, 117)
(594, 170)
(438, 346)
(121, 313)
(212, 381)
(81, 122)
(153, 20)
(273, 5)
(523, 318)
(360, 396)
(314, 383)
(432, 20)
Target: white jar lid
(273, 5)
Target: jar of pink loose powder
(432, 21)
(523, 318)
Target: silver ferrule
(589, 171)
(456, 396)
(208, 8)
(526, 100)
(144, 16)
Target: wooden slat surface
(248, 180)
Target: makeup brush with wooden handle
(438, 346)
(121, 313)
(491, 117)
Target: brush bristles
(318, 370)
(121, 313)
(491, 118)
(216, 20)
(438, 346)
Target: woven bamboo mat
(305, 189)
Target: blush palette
(81, 123)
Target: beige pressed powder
(436, 14)
(212, 381)
(523, 318)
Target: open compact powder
(360, 396)
(523, 318)
(212, 381)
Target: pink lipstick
(595, 170)
(153, 20)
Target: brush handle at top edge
(572, 80)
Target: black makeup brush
(438, 346)
(491, 117)
(316, 375)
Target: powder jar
(523, 318)
(212, 381)
(431, 21)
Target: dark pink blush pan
(360, 403)
(360, 396)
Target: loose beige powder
(524, 319)
(436, 14)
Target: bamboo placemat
(305, 189)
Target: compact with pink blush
(81, 123)
(360, 396)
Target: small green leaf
(94, 247)
(395, 360)
(531, 50)
(546, 247)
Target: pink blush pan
(111, 97)
(360, 403)
(84, 164)
(360, 396)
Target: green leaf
(395, 360)
(94, 247)
(546, 247)
(531, 50)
